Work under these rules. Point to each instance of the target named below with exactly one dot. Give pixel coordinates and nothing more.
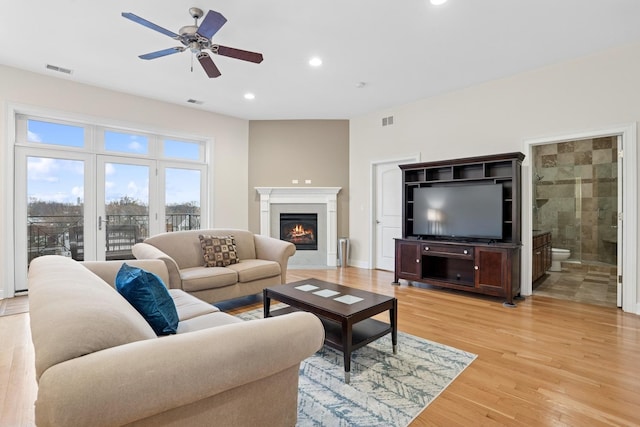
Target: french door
(96, 207)
(91, 192)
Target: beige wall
(283, 150)
(596, 92)
(229, 136)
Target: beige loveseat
(263, 263)
(99, 363)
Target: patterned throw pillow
(219, 251)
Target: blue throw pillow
(148, 294)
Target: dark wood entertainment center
(489, 267)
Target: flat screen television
(458, 212)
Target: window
(182, 150)
(125, 142)
(41, 132)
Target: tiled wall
(575, 191)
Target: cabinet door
(408, 260)
(491, 270)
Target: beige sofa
(99, 363)
(263, 263)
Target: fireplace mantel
(303, 195)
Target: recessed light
(249, 95)
(315, 61)
(438, 2)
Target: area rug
(386, 389)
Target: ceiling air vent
(59, 69)
(194, 101)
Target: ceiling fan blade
(211, 24)
(231, 52)
(148, 24)
(160, 53)
(208, 65)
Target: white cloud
(34, 137)
(135, 146)
(42, 169)
(109, 169)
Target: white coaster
(326, 293)
(306, 288)
(348, 299)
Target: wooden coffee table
(346, 313)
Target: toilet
(557, 256)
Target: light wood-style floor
(548, 362)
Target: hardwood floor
(546, 362)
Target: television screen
(469, 211)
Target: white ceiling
(403, 50)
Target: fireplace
(322, 201)
(301, 229)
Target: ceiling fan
(197, 39)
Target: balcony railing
(64, 234)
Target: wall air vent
(59, 69)
(387, 121)
(194, 101)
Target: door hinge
(621, 154)
(620, 216)
(620, 278)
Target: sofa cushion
(148, 294)
(207, 321)
(189, 306)
(201, 278)
(218, 251)
(255, 269)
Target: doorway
(575, 198)
(600, 184)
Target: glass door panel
(123, 206)
(182, 199)
(50, 212)
(55, 207)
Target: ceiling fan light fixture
(194, 47)
(249, 96)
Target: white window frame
(93, 125)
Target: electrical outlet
(307, 181)
(294, 181)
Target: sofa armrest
(271, 249)
(147, 251)
(149, 377)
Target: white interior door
(388, 213)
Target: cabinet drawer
(446, 250)
(541, 240)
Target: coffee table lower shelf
(362, 333)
